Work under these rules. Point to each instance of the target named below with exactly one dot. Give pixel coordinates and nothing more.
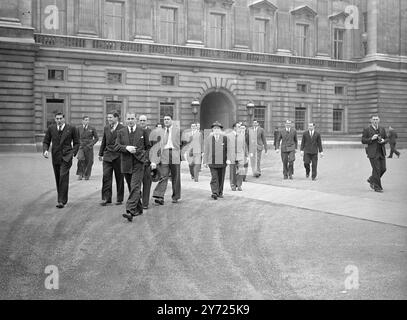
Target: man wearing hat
(215, 157)
(289, 144)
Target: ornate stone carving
(304, 12)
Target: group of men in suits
(134, 153)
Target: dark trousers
(146, 185)
(217, 180)
(288, 163)
(107, 180)
(85, 166)
(165, 170)
(312, 159)
(393, 150)
(61, 172)
(134, 180)
(378, 169)
(235, 178)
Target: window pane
(337, 119)
(113, 20)
(300, 118)
(216, 31)
(260, 115)
(114, 77)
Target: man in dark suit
(168, 162)
(111, 161)
(392, 141)
(133, 144)
(311, 144)
(375, 138)
(87, 137)
(289, 144)
(215, 157)
(257, 142)
(65, 145)
(147, 169)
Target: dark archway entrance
(217, 106)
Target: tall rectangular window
(301, 39)
(166, 108)
(260, 35)
(53, 107)
(260, 115)
(338, 44)
(168, 25)
(337, 119)
(364, 22)
(300, 118)
(113, 20)
(217, 31)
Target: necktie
(166, 136)
(131, 130)
(111, 128)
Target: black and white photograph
(228, 150)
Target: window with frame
(113, 20)
(114, 106)
(302, 87)
(53, 106)
(261, 85)
(260, 35)
(338, 43)
(301, 39)
(168, 80)
(216, 30)
(115, 77)
(168, 25)
(339, 90)
(337, 123)
(300, 118)
(56, 74)
(166, 108)
(260, 115)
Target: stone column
(323, 29)
(283, 32)
(242, 21)
(195, 17)
(372, 12)
(144, 21)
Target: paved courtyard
(277, 239)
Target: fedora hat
(217, 124)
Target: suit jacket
(289, 141)
(88, 137)
(160, 154)
(309, 144)
(237, 148)
(215, 154)
(141, 142)
(107, 150)
(257, 141)
(64, 147)
(392, 136)
(374, 148)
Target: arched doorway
(219, 106)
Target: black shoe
(145, 207)
(371, 184)
(285, 177)
(290, 177)
(159, 201)
(138, 213)
(389, 157)
(307, 175)
(60, 205)
(86, 178)
(214, 197)
(128, 216)
(220, 196)
(105, 203)
(174, 200)
(378, 190)
(314, 178)
(118, 203)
